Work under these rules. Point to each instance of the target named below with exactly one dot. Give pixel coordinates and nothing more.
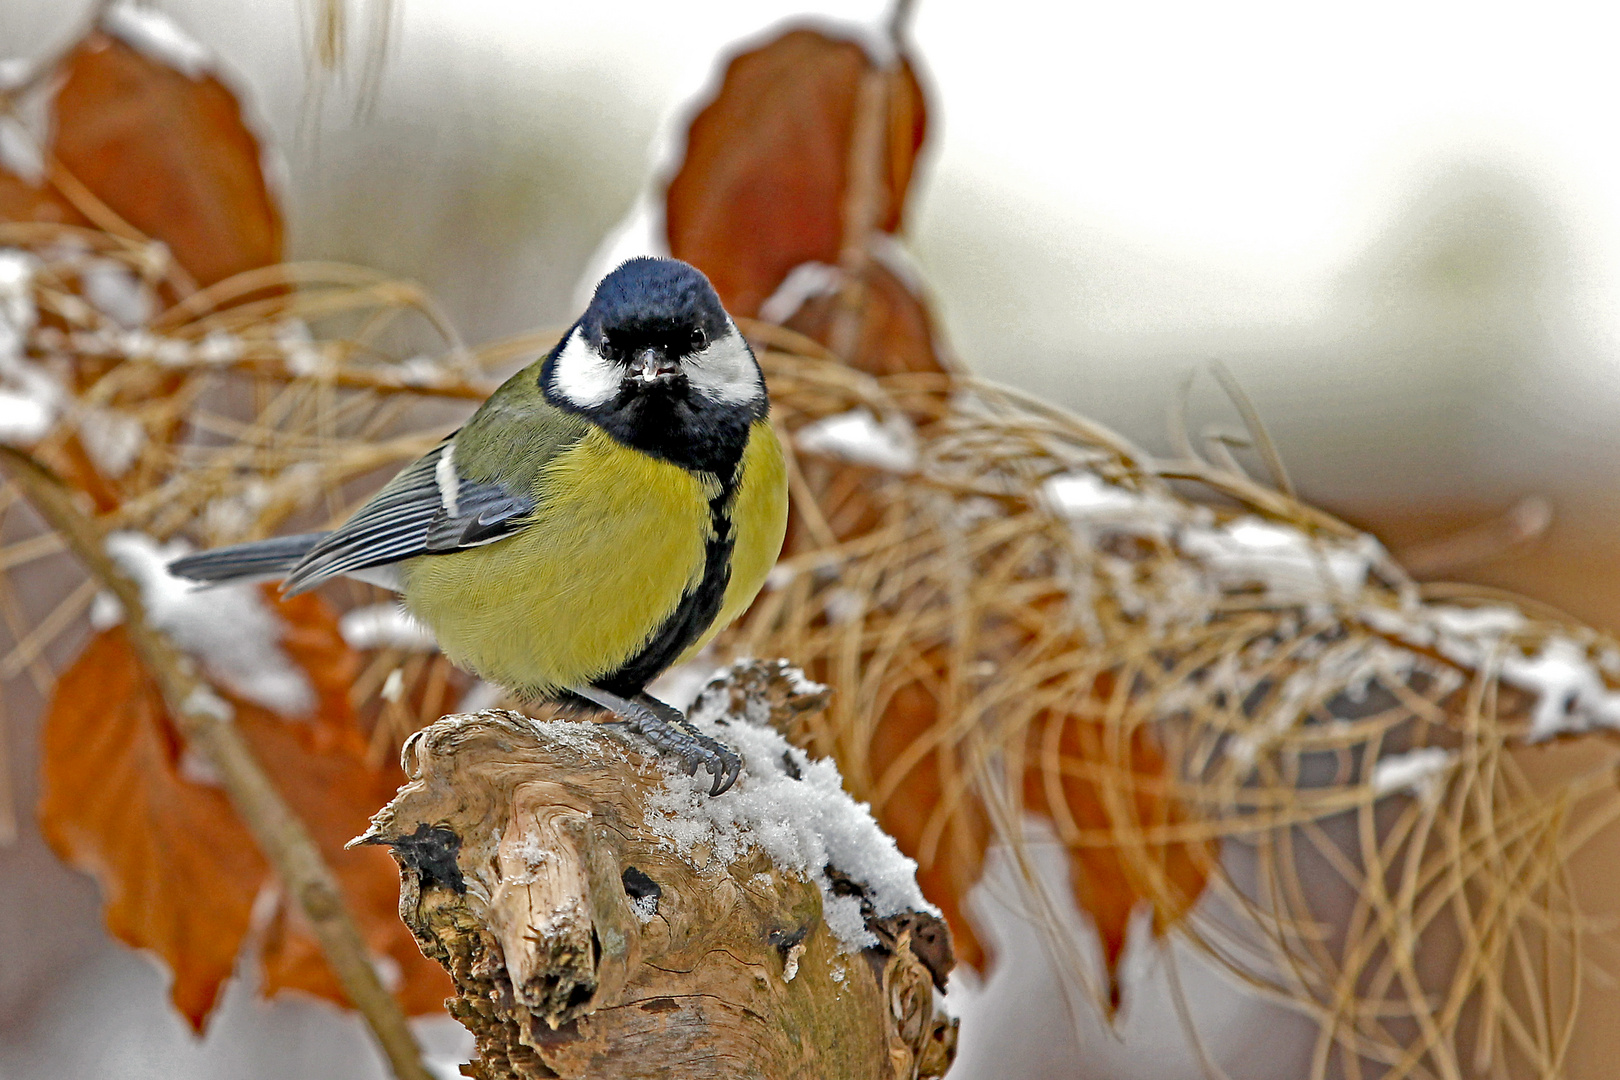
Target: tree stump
(602, 917)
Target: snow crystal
(1086, 498)
(1571, 694)
(804, 825)
(112, 439)
(844, 606)
(393, 687)
(219, 347)
(24, 419)
(304, 357)
(20, 153)
(30, 397)
(804, 282)
(17, 311)
(645, 907)
(158, 37)
(857, 437)
(227, 627)
(1419, 771)
(1289, 564)
(117, 293)
(385, 626)
(419, 371)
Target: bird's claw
(669, 731)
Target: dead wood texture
(583, 945)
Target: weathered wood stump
(603, 917)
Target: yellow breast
(618, 540)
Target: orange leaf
(179, 871)
(896, 332)
(948, 867)
(761, 189)
(1087, 787)
(169, 154)
(22, 201)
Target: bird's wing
(430, 508)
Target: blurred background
(1398, 224)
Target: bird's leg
(669, 731)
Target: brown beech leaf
(762, 186)
(949, 852)
(1111, 880)
(896, 332)
(169, 154)
(22, 201)
(179, 871)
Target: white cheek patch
(725, 371)
(583, 377)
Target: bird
(597, 520)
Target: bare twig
(1263, 444)
(863, 206)
(865, 191)
(8, 797)
(204, 720)
(1527, 520)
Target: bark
(581, 945)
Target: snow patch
(20, 152)
(158, 37)
(804, 825)
(24, 419)
(30, 397)
(304, 358)
(1290, 565)
(227, 627)
(112, 439)
(1420, 772)
(385, 626)
(117, 293)
(1087, 499)
(804, 283)
(1571, 693)
(857, 437)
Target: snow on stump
(602, 916)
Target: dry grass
(1431, 933)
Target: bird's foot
(669, 731)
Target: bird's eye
(699, 338)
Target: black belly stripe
(693, 615)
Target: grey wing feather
(484, 514)
(407, 518)
(388, 528)
(262, 559)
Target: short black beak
(652, 365)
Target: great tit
(599, 519)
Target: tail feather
(268, 559)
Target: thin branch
(865, 202)
(1526, 520)
(203, 718)
(1263, 444)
